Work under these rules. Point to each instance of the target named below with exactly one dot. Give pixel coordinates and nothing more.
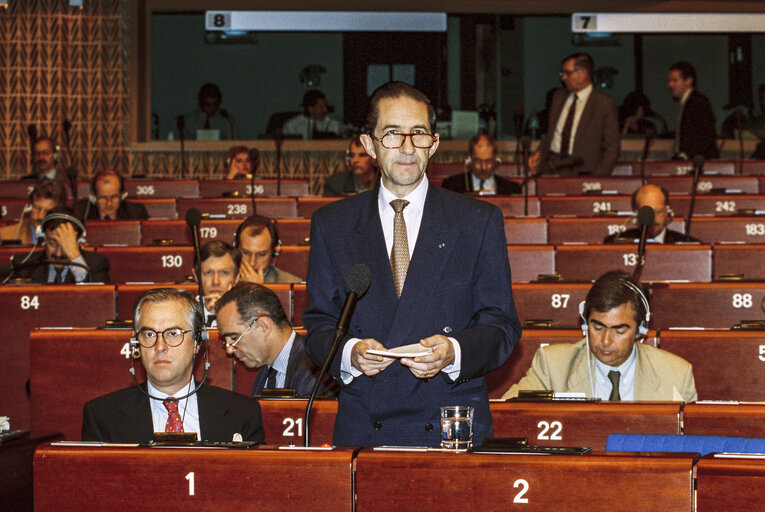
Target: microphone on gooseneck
(357, 282)
(525, 146)
(180, 124)
(698, 170)
(71, 173)
(650, 133)
(193, 219)
(645, 219)
(254, 163)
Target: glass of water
(456, 427)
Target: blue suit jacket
(457, 284)
(301, 373)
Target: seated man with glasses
(255, 329)
(106, 200)
(169, 332)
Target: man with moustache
(360, 176)
(169, 333)
(45, 161)
(440, 278)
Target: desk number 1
(190, 478)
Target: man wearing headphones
(257, 240)
(255, 330)
(611, 363)
(479, 173)
(658, 199)
(213, 122)
(169, 333)
(45, 156)
(361, 173)
(62, 261)
(313, 123)
(45, 196)
(219, 269)
(106, 200)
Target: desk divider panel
(526, 230)
(239, 207)
(148, 188)
(113, 232)
(730, 483)
(747, 260)
(527, 262)
(27, 307)
(156, 264)
(261, 188)
(710, 305)
(725, 419)
(179, 232)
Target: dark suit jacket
(126, 211)
(457, 284)
(301, 373)
(698, 135)
(97, 263)
(34, 175)
(456, 183)
(597, 139)
(125, 416)
(670, 237)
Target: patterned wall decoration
(61, 63)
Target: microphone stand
(180, 124)
(646, 146)
(278, 140)
(525, 157)
(740, 128)
(698, 165)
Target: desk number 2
(190, 478)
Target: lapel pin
(441, 245)
(447, 329)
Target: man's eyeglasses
(396, 140)
(226, 343)
(565, 72)
(172, 336)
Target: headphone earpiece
(581, 314)
(56, 153)
(468, 161)
(136, 353)
(78, 225)
(348, 156)
(228, 162)
(670, 214)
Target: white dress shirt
(581, 101)
(626, 379)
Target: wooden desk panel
(729, 484)
(61, 382)
(16, 490)
(685, 167)
(754, 167)
(527, 262)
(526, 230)
(179, 232)
(729, 229)
(584, 206)
(583, 184)
(10, 209)
(159, 208)
(294, 259)
(512, 206)
(307, 205)
(283, 421)
(445, 169)
(299, 303)
(294, 231)
(739, 420)
(745, 260)
(516, 366)
(558, 302)
(571, 424)
(239, 207)
(730, 183)
(161, 188)
(692, 262)
(727, 365)
(262, 188)
(592, 230)
(28, 307)
(113, 232)
(716, 204)
(710, 305)
(452, 481)
(268, 479)
(161, 264)
(16, 189)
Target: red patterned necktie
(174, 422)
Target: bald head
(656, 198)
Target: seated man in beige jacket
(611, 363)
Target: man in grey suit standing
(583, 129)
(440, 279)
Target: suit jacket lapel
(646, 380)
(435, 242)
(579, 377)
(137, 421)
(584, 121)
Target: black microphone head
(32, 131)
(525, 142)
(67, 125)
(193, 217)
(254, 159)
(698, 161)
(357, 279)
(180, 123)
(645, 216)
(71, 173)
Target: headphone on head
(78, 225)
(259, 220)
(642, 330)
(102, 174)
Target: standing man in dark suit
(695, 132)
(106, 200)
(583, 125)
(63, 261)
(169, 331)
(440, 278)
(256, 331)
(479, 173)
